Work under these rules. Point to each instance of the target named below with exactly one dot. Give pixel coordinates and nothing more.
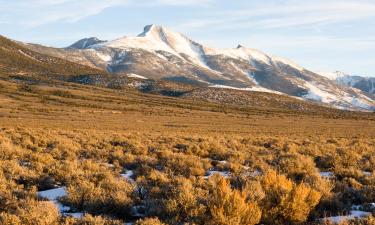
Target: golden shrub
(149, 221)
(228, 206)
(285, 201)
(41, 213)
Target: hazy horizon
(318, 35)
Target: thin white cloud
(291, 13)
(183, 2)
(39, 12)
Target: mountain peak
(85, 43)
(151, 29)
(240, 46)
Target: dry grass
(68, 134)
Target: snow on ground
(368, 206)
(133, 75)
(366, 173)
(262, 89)
(353, 215)
(257, 89)
(225, 174)
(53, 195)
(104, 57)
(128, 175)
(327, 174)
(136, 84)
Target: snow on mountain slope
(84, 43)
(366, 84)
(241, 52)
(132, 75)
(333, 75)
(156, 38)
(256, 89)
(319, 94)
(339, 98)
(287, 62)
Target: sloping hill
(16, 60)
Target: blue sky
(321, 35)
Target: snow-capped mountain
(365, 84)
(160, 53)
(333, 75)
(86, 42)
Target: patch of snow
(327, 174)
(128, 175)
(162, 56)
(366, 173)
(353, 215)
(53, 195)
(257, 89)
(109, 165)
(29, 56)
(318, 94)
(262, 89)
(77, 215)
(133, 75)
(251, 76)
(136, 84)
(359, 103)
(105, 57)
(202, 81)
(223, 162)
(225, 174)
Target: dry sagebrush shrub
(228, 206)
(285, 201)
(181, 164)
(186, 202)
(174, 199)
(91, 220)
(32, 212)
(149, 221)
(169, 168)
(101, 193)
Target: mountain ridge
(160, 53)
(363, 83)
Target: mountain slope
(84, 43)
(16, 60)
(159, 53)
(365, 84)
